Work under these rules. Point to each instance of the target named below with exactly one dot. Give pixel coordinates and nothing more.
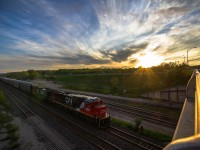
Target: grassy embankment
(129, 85)
(145, 132)
(125, 85)
(8, 131)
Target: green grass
(3, 101)
(122, 123)
(146, 132)
(134, 84)
(12, 135)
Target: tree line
(170, 70)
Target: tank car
(16, 83)
(26, 86)
(22, 85)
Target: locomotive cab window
(87, 105)
(97, 103)
(82, 105)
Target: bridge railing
(183, 139)
(197, 104)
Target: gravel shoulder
(29, 137)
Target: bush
(6, 124)
(138, 122)
(3, 101)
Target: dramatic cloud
(123, 52)
(76, 59)
(47, 34)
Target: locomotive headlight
(106, 114)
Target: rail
(54, 138)
(148, 115)
(144, 144)
(97, 141)
(188, 137)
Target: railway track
(134, 140)
(147, 115)
(57, 142)
(98, 142)
(144, 144)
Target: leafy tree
(24, 75)
(33, 74)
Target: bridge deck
(185, 127)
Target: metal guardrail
(193, 95)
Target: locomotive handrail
(193, 96)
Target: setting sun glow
(149, 59)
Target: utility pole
(187, 54)
(184, 58)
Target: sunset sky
(53, 34)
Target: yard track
(57, 143)
(144, 144)
(93, 139)
(148, 115)
(97, 141)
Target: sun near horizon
(149, 59)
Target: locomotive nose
(103, 112)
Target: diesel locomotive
(90, 108)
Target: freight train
(91, 108)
